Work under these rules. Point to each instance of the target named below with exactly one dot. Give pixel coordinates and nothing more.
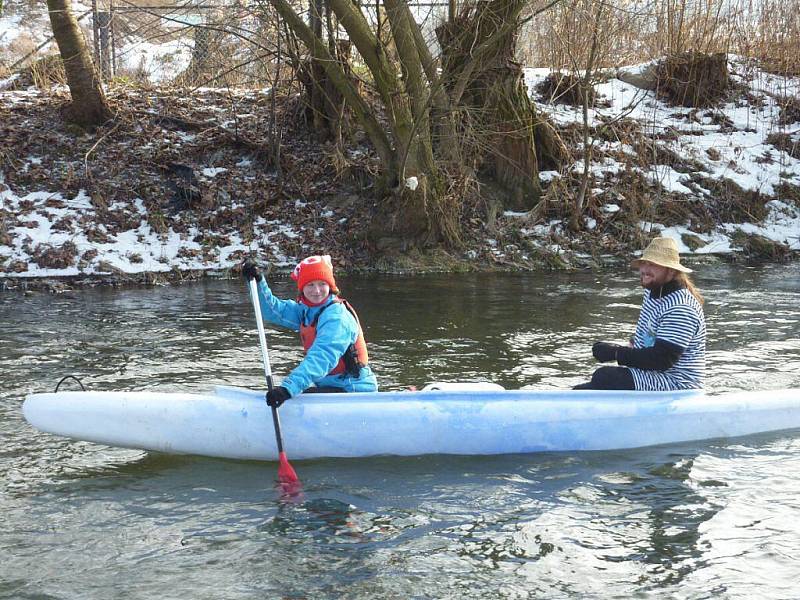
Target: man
(668, 350)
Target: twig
(96, 144)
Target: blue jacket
(336, 330)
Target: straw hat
(662, 251)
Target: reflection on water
(700, 520)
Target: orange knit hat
(315, 268)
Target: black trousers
(609, 378)
(325, 389)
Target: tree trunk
(339, 78)
(326, 109)
(414, 212)
(514, 163)
(315, 81)
(414, 208)
(89, 107)
(516, 141)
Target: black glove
(277, 396)
(605, 352)
(250, 271)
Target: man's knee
(612, 378)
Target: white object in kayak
(236, 423)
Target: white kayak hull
(236, 423)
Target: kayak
(236, 423)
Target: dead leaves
(55, 257)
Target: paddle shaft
(262, 338)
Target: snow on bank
(44, 229)
(8, 81)
(10, 29)
(50, 233)
(730, 142)
(782, 225)
(26, 25)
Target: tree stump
(566, 89)
(693, 79)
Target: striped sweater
(675, 317)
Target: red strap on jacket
(356, 353)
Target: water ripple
(702, 520)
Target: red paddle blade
(286, 472)
(288, 483)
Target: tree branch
(383, 72)
(339, 78)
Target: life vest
(354, 358)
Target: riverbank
(181, 187)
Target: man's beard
(651, 285)
(655, 284)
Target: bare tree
(89, 107)
(437, 127)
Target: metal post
(104, 20)
(202, 43)
(96, 34)
(113, 40)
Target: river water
(708, 519)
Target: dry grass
(566, 88)
(758, 247)
(788, 193)
(785, 143)
(790, 110)
(730, 203)
(563, 37)
(770, 32)
(21, 46)
(641, 30)
(55, 257)
(47, 71)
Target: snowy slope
(728, 143)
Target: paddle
(286, 474)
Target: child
(336, 353)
